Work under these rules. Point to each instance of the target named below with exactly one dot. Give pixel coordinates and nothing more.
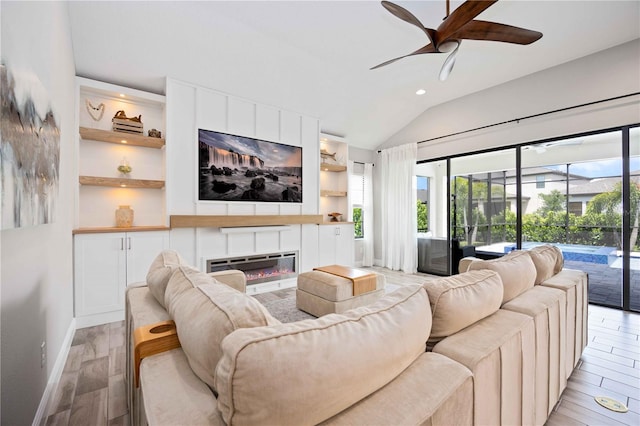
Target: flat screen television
(238, 168)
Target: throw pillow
(205, 312)
(161, 270)
(548, 261)
(516, 269)
(461, 300)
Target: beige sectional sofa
(492, 359)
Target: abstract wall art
(29, 151)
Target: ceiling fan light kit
(448, 63)
(457, 26)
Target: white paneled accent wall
(189, 108)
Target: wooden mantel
(201, 221)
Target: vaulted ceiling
(313, 57)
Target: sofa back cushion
(205, 312)
(461, 300)
(548, 261)
(308, 371)
(516, 270)
(161, 270)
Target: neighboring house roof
(534, 171)
(598, 186)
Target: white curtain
(367, 220)
(398, 208)
(349, 198)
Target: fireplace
(260, 268)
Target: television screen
(237, 168)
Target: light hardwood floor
(92, 391)
(609, 366)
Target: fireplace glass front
(261, 268)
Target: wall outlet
(43, 354)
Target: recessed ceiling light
(122, 95)
(123, 141)
(420, 92)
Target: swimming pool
(580, 253)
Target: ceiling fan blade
(466, 12)
(448, 64)
(492, 31)
(425, 49)
(405, 15)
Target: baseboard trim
(54, 379)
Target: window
(423, 203)
(575, 207)
(540, 181)
(356, 192)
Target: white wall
(36, 278)
(190, 107)
(606, 74)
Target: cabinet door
(335, 243)
(326, 245)
(344, 244)
(142, 249)
(99, 273)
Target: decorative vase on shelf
(124, 217)
(124, 168)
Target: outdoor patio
(603, 264)
(605, 282)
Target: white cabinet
(335, 244)
(104, 264)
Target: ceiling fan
(459, 26)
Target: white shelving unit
(106, 258)
(333, 177)
(101, 187)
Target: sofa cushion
(500, 351)
(161, 270)
(547, 307)
(548, 261)
(169, 387)
(433, 390)
(308, 371)
(205, 312)
(460, 300)
(516, 269)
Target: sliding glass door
(483, 201)
(573, 189)
(579, 193)
(633, 288)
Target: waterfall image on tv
(237, 168)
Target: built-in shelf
(327, 193)
(121, 182)
(328, 167)
(109, 229)
(334, 178)
(202, 221)
(120, 138)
